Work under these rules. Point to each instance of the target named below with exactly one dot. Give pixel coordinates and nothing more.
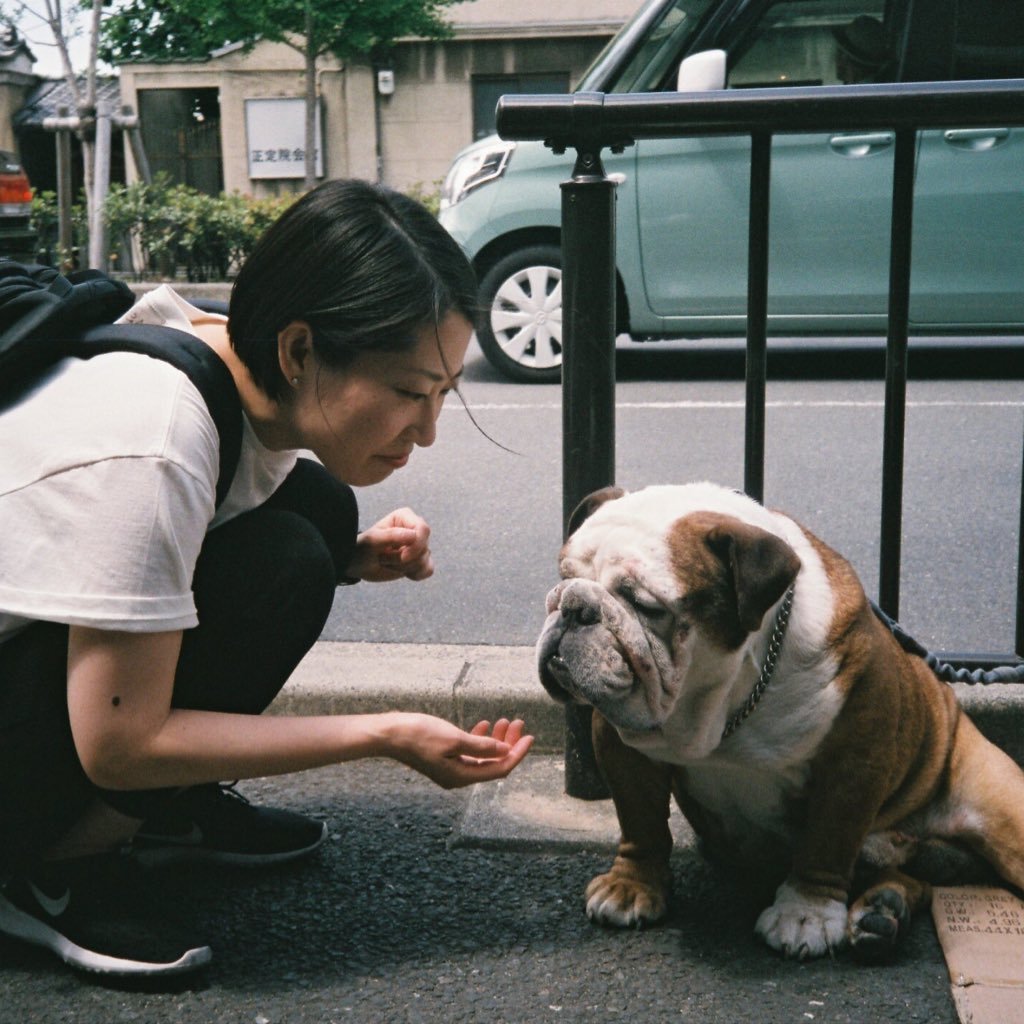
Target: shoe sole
(17, 924)
(163, 856)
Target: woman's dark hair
(366, 267)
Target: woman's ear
(295, 352)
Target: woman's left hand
(451, 757)
(395, 548)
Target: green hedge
(44, 223)
(175, 229)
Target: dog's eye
(650, 609)
(656, 611)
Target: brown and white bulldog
(733, 660)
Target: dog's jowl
(733, 660)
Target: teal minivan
(682, 203)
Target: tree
(350, 29)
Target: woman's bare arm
(129, 737)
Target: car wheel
(521, 298)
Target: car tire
(521, 324)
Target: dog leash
(771, 659)
(943, 669)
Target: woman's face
(363, 422)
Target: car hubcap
(526, 317)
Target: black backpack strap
(45, 316)
(40, 309)
(197, 361)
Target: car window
(815, 42)
(646, 69)
(988, 39)
(9, 163)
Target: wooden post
(129, 124)
(98, 248)
(65, 239)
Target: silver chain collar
(770, 661)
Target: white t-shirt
(108, 470)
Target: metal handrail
(610, 119)
(592, 122)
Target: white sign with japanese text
(275, 130)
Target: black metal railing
(591, 122)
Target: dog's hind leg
(986, 802)
(635, 890)
(983, 809)
(881, 915)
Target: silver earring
(295, 382)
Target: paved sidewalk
(467, 683)
(428, 906)
(399, 919)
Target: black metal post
(757, 313)
(588, 388)
(896, 372)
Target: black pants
(263, 587)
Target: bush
(429, 197)
(44, 220)
(173, 228)
(176, 227)
(133, 216)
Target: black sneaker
(98, 927)
(215, 824)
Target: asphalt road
(389, 923)
(496, 514)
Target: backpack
(45, 316)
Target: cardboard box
(981, 930)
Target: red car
(17, 238)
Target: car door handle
(862, 144)
(976, 139)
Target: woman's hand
(452, 757)
(396, 547)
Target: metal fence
(592, 122)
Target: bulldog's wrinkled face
(654, 584)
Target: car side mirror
(702, 72)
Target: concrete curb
(463, 684)
(467, 683)
(186, 289)
(998, 711)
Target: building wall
(14, 87)
(269, 70)
(427, 118)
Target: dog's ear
(762, 567)
(590, 504)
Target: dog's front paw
(627, 896)
(878, 920)
(802, 926)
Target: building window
(181, 132)
(488, 88)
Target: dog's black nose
(583, 613)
